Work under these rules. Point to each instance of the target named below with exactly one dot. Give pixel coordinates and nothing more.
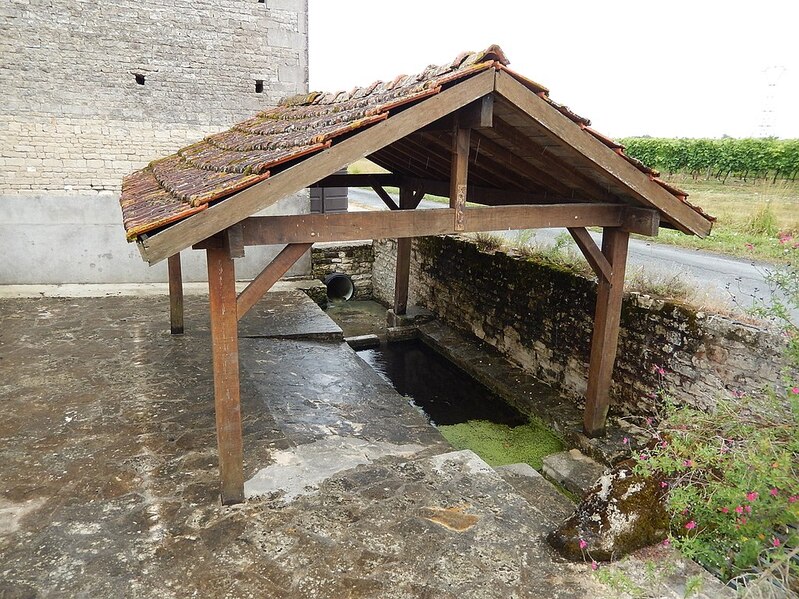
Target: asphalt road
(719, 281)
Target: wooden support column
(403, 269)
(175, 294)
(606, 331)
(224, 342)
(459, 173)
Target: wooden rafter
(610, 164)
(313, 168)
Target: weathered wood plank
(459, 173)
(383, 195)
(403, 267)
(224, 343)
(270, 275)
(396, 224)
(314, 168)
(175, 294)
(605, 339)
(359, 180)
(592, 253)
(560, 127)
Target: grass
(750, 216)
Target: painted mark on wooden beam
(460, 207)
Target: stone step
(551, 504)
(573, 469)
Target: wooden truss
(465, 115)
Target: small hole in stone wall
(259, 86)
(139, 78)
(261, 1)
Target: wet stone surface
(109, 484)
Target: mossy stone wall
(541, 317)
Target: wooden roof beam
(614, 166)
(222, 215)
(313, 228)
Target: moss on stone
(500, 444)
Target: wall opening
(259, 86)
(139, 78)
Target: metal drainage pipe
(339, 286)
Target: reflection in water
(447, 394)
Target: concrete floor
(109, 484)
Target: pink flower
(793, 498)
(688, 463)
(690, 525)
(625, 441)
(774, 492)
(737, 393)
(663, 484)
(659, 369)
(752, 496)
(785, 238)
(795, 390)
(643, 457)
(583, 544)
(739, 509)
(776, 542)
(749, 246)
(664, 444)
(666, 543)
(649, 420)
(594, 565)
(748, 509)
(743, 520)
(725, 510)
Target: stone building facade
(91, 90)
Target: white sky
(673, 69)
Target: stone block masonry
(541, 317)
(91, 90)
(354, 259)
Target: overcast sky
(695, 68)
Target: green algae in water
(500, 444)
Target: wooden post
(606, 331)
(403, 270)
(224, 342)
(175, 294)
(459, 173)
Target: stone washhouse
(473, 130)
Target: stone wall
(541, 318)
(353, 259)
(74, 118)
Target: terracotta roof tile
(184, 183)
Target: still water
(446, 394)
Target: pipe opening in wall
(139, 78)
(339, 286)
(259, 86)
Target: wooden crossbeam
(562, 129)
(270, 275)
(312, 169)
(396, 224)
(359, 180)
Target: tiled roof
(185, 183)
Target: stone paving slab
(288, 314)
(109, 485)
